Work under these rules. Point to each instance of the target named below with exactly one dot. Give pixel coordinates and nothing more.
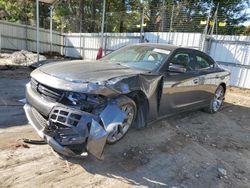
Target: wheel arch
(148, 104)
(142, 105)
(224, 86)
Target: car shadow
(151, 156)
(12, 90)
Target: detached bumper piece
(72, 132)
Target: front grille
(64, 122)
(48, 92)
(41, 121)
(39, 117)
(66, 118)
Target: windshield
(138, 57)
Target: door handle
(196, 81)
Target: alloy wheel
(218, 99)
(122, 129)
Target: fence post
(62, 37)
(26, 36)
(142, 23)
(37, 30)
(0, 41)
(103, 20)
(50, 28)
(105, 45)
(201, 42)
(209, 44)
(81, 46)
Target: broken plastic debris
(222, 173)
(97, 139)
(112, 116)
(22, 101)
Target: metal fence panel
(21, 37)
(175, 38)
(87, 47)
(233, 53)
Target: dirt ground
(194, 149)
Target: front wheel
(128, 106)
(217, 100)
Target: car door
(209, 75)
(180, 89)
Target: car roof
(163, 46)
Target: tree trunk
(82, 22)
(123, 10)
(153, 13)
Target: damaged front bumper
(73, 132)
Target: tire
(128, 106)
(217, 101)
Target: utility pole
(142, 21)
(103, 20)
(26, 26)
(51, 27)
(171, 19)
(37, 30)
(99, 53)
(163, 16)
(205, 33)
(208, 19)
(81, 3)
(214, 19)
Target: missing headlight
(84, 102)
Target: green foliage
(246, 30)
(186, 15)
(20, 11)
(240, 30)
(125, 15)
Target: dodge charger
(79, 106)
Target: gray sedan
(79, 106)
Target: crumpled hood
(87, 71)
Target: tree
(20, 11)
(125, 15)
(186, 15)
(246, 30)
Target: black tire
(217, 101)
(122, 101)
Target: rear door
(209, 75)
(181, 91)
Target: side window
(203, 63)
(183, 59)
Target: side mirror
(176, 68)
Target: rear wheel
(217, 100)
(128, 106)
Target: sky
(247, 22)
